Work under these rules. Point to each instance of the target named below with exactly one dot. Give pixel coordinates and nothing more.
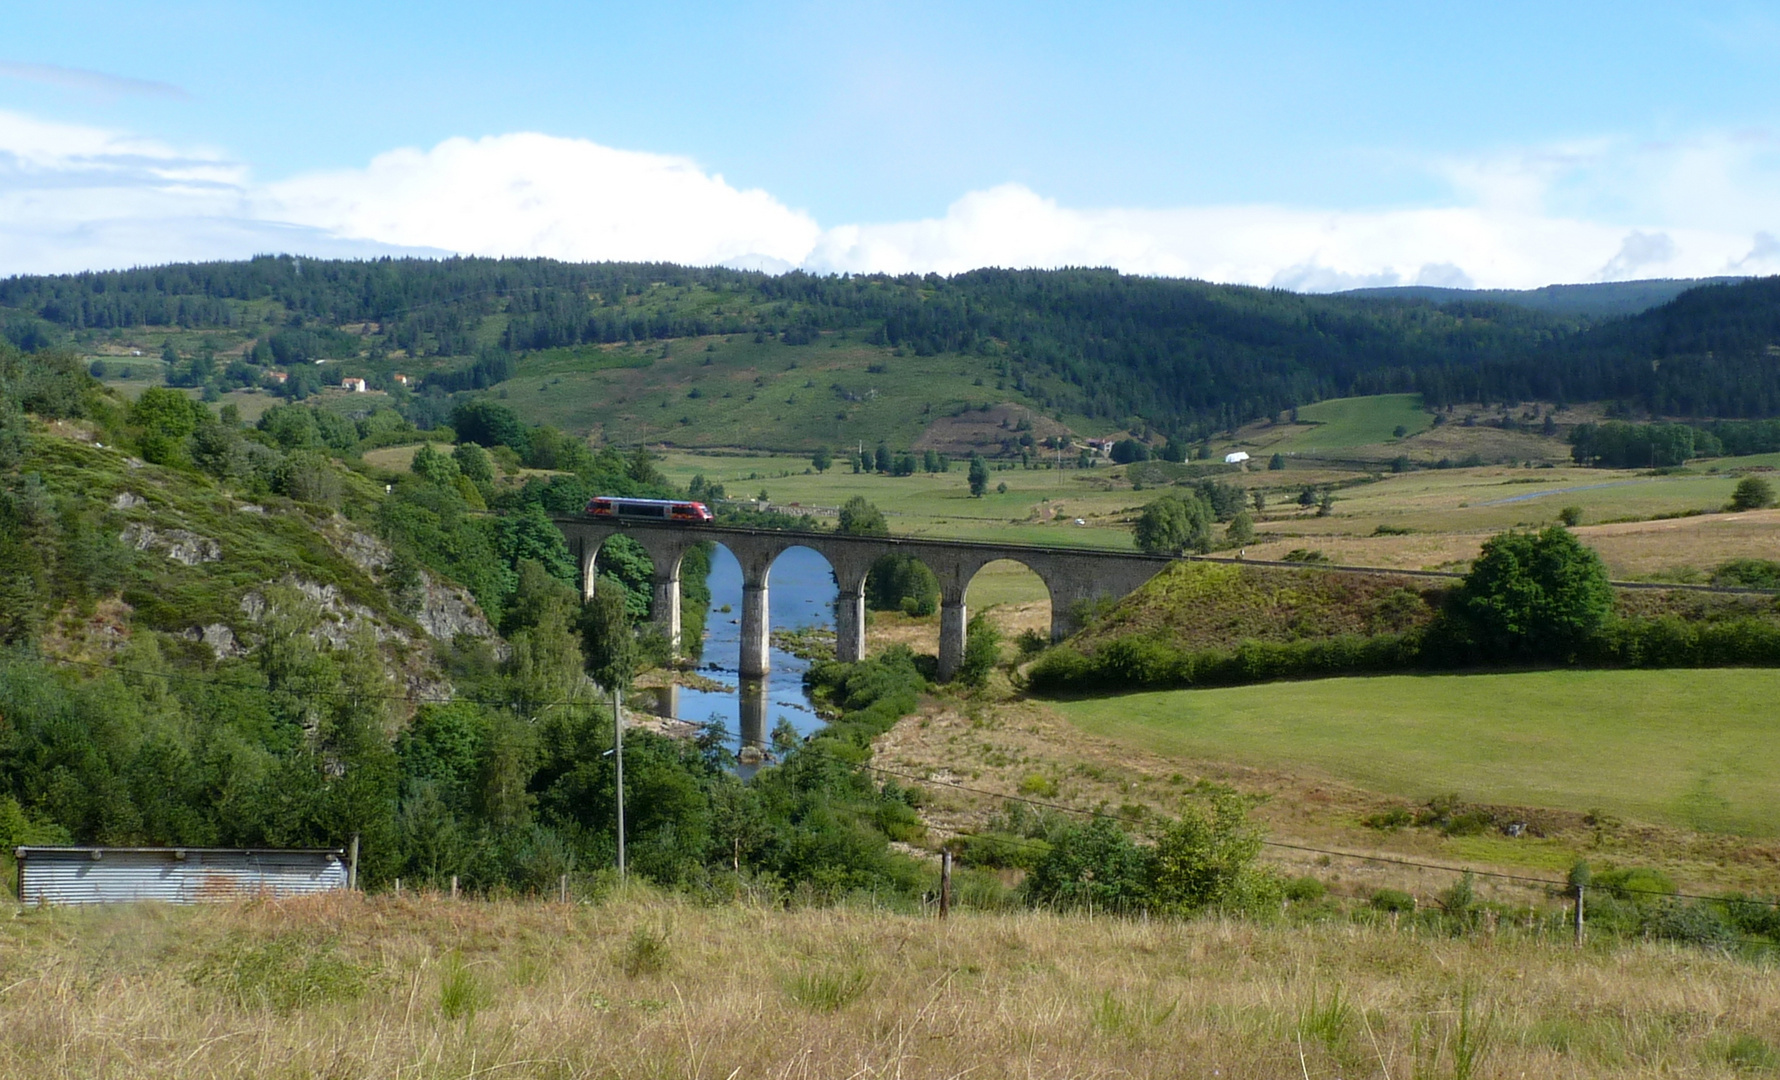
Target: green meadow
(1694, 748)
(1345, 423)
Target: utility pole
(945, 883)
(1578, 924)
(618, 761)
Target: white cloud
(1638, 251)
(1284, 247)
(532, 194)
(76, 197)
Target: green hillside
(731, 390)
(1094, 349)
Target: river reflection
(800, 593)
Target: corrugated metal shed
(98, 875)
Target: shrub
(982, 650)
(1691, 924)
(1394, 901)
(1206, 859)
(998, 849)
(1636, 884)
(1091, 865)
(1031, 642)
(1305, 890)
(1748, 574)
(1752, 493)
(1386, 820)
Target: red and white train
(674, 510)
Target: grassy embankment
(640, 986)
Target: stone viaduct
(1072, 575)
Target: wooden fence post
(1578, 923)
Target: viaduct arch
(1072, 575)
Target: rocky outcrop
(444, 611)
(181, 545)
(341, 619)
(447, 611)
(220, 638)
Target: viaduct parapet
(1074, 577)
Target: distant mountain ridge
(1597, 300)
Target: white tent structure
(1236, 458)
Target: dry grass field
(641, 986)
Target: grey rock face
(446, 612)
(220, 638)
(181, 545)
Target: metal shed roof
(100, 875)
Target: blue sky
(1306, 145)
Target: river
(800, 593)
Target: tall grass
(448, 989)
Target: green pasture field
(1692, 747)
(1494, 498)
(1346, 423)
(1004, 583)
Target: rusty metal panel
(91, 875)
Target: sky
(1310, 146)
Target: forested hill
(1188, 356)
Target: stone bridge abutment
(1073, 577)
